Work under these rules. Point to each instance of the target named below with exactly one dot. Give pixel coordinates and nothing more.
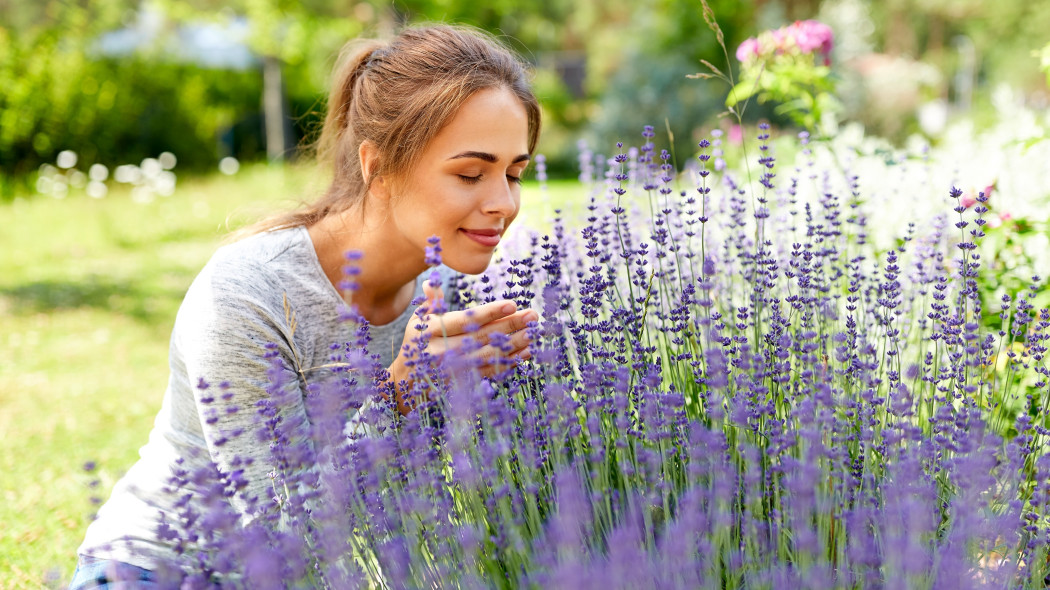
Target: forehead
(492, 120)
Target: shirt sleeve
(234, 347)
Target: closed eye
(476, 179)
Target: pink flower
(1000, 219)
(812, 35)
(805, 37)
(969, 198)
(748, 50)
(781, 40)
(736, 134)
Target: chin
(473, 266)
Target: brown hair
(399, 94)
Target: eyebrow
(487, 157)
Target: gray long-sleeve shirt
(231, 311)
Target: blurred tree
(44, 73)
(608, 68)
(579, 49)
(63, 91)
(558, 36)
(296, 36)
(1003, 33)
(660, 42)
(604, 67)
(786, 11)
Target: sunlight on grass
(88, 294)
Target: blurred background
(118, 81)
(135, 134)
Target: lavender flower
(722, 393)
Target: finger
(500, 364)
(473, 346)
(488, 357)
(432, 293)
(519, 341)
(501, 350)
(510, 343)
(514, 323)
(458, 322)
(519, 353)
(435, 298)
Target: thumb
(434, 298)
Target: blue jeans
(106, 574)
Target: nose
(504, 201)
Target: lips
(486, 237)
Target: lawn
(88, 294)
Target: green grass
(88, 294)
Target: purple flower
(733, 387)
(432, 256)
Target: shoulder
(264, 264)
(268, 249)
(243, 280)
(270, 286)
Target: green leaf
(741, 92)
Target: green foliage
(664, 41)
(1044, 61)
(804, 92)
(563, 118)
(679, 27)
(651, 91)
(1011, 266)
(791, 67)
(60, 93)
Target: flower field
(739, 380)
(804, 346)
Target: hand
(449, 332)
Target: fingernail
(531, 317)
(508, 308)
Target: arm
(221, 335)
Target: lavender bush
(732, 386)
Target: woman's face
(466, 187)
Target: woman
(427, 135)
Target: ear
(368, 153)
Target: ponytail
(353, 61)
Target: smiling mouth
(486, 237)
